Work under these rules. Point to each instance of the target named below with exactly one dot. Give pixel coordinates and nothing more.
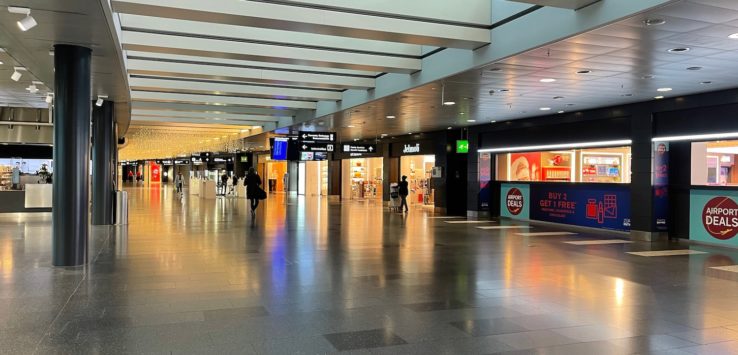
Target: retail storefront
(584, 187)
(362, 171)
(417, 161)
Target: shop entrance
(276, 173)
(418, 169)
(362, 178)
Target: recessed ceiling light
(350, 126)
(658, 97)
(356, 139)
(694, 68)
(733, 36)
(493, 121)
(584, 72)
(545, 108)
(654, 21)
(390, 116)
(547, 80)
(627, 95)
(663, 89)
(449, 103)
(471, 121)
(706, 82)
(461, 113)
(409, 132)
(679, 50)
(569, 104)
(449, 128)
(562, 111)
(495, 69)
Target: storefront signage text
(515, 201)
(316, 141)
(411, 148)
(713, 216)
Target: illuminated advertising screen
(279, 148)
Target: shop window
(713, 163)
(597, 165)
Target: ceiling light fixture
(696, 137)
(694, 68)
(32, 88)
(449, 103)
(658, 97)
(678, 50)
(584, 72)
(545, 108)
(706, 82)
(647, 77)
(562, 111)
(350, 126)
(356, 139)
(558, 97)
(100, 100)
(654, 21)
(49, 98)
(547, 80)
(613, 143)
(733, 36)
(471, 121)
(663, 89)
(17, 73)
(390, 116)
(493, 121)
(27, 22)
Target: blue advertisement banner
(660, 186)
(606, 207)
(713, 216)
(515, 201)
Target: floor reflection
(312, 275)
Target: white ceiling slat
(137, 118)
(216, 88)
(159, 43)
(220, 100)
(247, 63)
(299, 39)
(305, 19)
(215, 72)
(205, 115)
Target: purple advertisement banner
(660, 186)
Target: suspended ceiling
(624, 62)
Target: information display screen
(279, 148)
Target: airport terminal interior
(369, 177)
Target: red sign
(515, 201)
(155, 172)
(525, 166)
(720, 217)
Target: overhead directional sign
(316, 141)
(357, 150)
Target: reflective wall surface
(311, 276)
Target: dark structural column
(642, 217)
(103, 163)
(71, 154)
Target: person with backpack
(403, 191)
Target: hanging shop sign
(713, 216)
(316, 141)
(182, 161)
(164, 162)
(412, 148)
(359, 150)
(606, 207)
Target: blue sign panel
(606, 207)
(279, 149)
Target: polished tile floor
(308, 276)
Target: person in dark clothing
(403, 191)
(223, 183)
(253, 183)
(235, 183)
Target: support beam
(217, 72)
(140, 119)
(71, 155)
(214, 88)
(103, 164)
(218, 100)
(174, 108)
(564, 4)
(219, 48)
(206, 115)
(314, 20)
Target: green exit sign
(462, 146)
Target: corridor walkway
(310, 276)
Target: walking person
(253, 189)
(403, 191)
(178, 182)
(223, 183)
